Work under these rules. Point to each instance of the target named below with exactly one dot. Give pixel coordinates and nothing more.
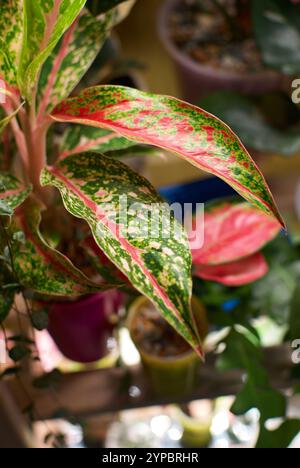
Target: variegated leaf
(200, 138)
(12, 192)
(11, 27)
(102, 264)
(72, 58)
(80, 138)
(5, 121)
(233, 231)
(118, 206)
(237, 273)
(42, 268)
(45, 22)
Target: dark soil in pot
(155, 336)
(200, 30)
(210, 54)
(171, 365)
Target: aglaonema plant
(45, 49)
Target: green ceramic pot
(170, 376)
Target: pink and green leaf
(45, 22)
(11, 27)
(12, 192)
(171, 124)
(5, 121)
(80, 138)
(106, 269)
(238, 273)
(72, 58)
(158, 263)
(42, 268)
(233, 231)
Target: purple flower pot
(199, 80)
(81, 329)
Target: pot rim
(133, 310)
(196, 67)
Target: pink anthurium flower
(234, 234)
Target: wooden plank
(14, 432)
(104, 391)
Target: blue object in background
(231, 304)
(200, 191)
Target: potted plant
(39, 67)
(171, 365)
(232, 44)
(238, 274)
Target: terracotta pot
(198, 80)
(81, 329)
(170, 376)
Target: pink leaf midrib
(88, 145)
(56, 66)
(111, 125)
(101, 216)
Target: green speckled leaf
(80, 138)
(41, 268)
(12, 192)
(45, 22)
(72, 57)
(197, 136)
(106, 269)
(11, 30)
(157, 262)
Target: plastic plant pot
(81, 329)
(198, 80)
(170, 375)
(196, 432)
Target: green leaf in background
(11, 27)
(157, 262)
(101, 6)
(41, 268)
(242, 353)
(45, 21)
(73, 57)
(12, 192)
(281, 437)
(269, 402)
(246, 120)
(277, 29)
(174, 125)
(273, 294)
(80, 138)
